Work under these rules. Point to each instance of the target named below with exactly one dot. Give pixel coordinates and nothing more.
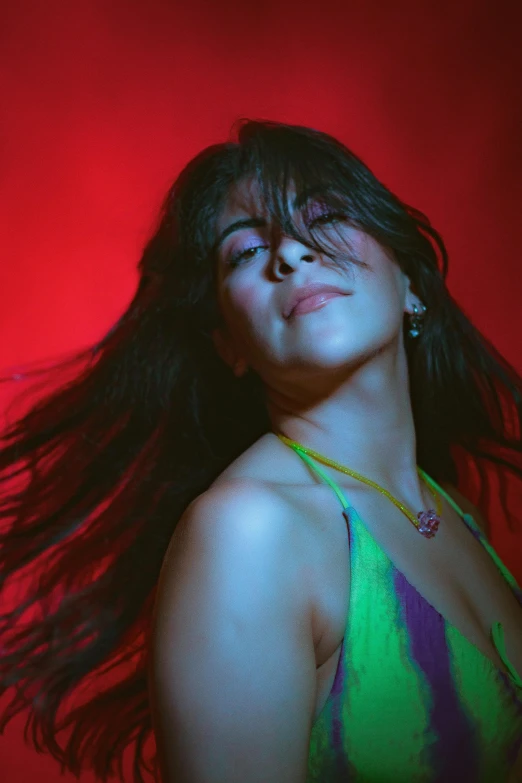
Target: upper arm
(232, 677)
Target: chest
(452, 572)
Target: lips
(306, 292)
(314, 302)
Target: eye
(326, 218)
(243, 255)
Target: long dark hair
(97, 470)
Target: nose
(290, 253)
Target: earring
(416, 320)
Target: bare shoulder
(467, 507)
(232, 667)
(246, 505)
(237, 529)
(234, 513)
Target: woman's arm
(233, 674)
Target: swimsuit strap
(323, 475)
(439, 489)
(345, 503)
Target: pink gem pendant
(429, 523)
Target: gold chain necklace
(426, 522)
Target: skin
(336, 379)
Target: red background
(103, 103)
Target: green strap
(467, 517)
(442, 492)
(323, 475)
(340, 495)
(497, 634)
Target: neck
(363, 421)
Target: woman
(251, 490)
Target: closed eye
(325, 218)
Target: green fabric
(413, 699)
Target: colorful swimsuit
(413, 699)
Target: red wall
(105, 101)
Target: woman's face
(256, 282)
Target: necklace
(426, 522)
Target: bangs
(293, 170)
(285, 160)
(297, 175)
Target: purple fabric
(453, 754)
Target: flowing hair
(96, 470)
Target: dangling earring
(417, 320)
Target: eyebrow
(237, 226)
(257, 222)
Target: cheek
(242, 302)
(384, 277)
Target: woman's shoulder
(235, 515)
(250, 492)
(260, 499)
(267, 478)
(240, 505)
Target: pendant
(429, 523)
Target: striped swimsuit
(412, 699)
